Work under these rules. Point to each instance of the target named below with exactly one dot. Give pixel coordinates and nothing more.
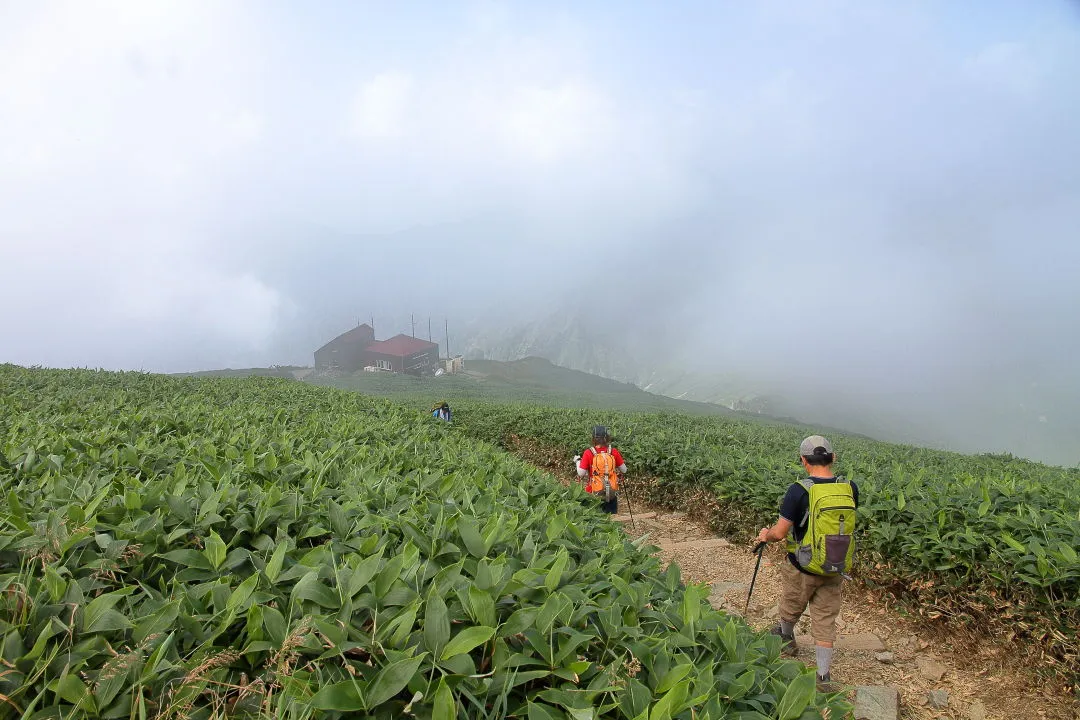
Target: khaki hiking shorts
(822, 594)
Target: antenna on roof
(412, 319)
(446, 324)
(429, 328)
(373, 325)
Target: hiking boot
(789, 648)
(826, 685)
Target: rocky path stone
(875, 702)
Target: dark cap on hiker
(811, 445)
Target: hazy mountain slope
(1027, 418)
(565, 340)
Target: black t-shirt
(796, 505)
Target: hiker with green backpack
(817, 521)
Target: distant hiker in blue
(442, 411)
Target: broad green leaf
(673, 676)
(273, 567)
(339, 523)
(311, 588)
(741, 686)
(214, 550)
(274, 623)
(470, 535)
(238, 600)
(157, 623)
(518, 621)
(401, 626)
(391, 680)
(158, 661)
(342, 697)
(1013, 542)
(55, 584)
(554, 575)
(51, 630)
(482, 607)
(671, 702)
(634, 698)
(388, 575)
(17, 516)
(189, 558)
(445, 707)
(466, 640)
(543, 712)
(436, 624)
(99, 616)
(798, 695)
(364, 571)
(73, 690)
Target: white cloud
(195, 297)
(465, 118)
(381, 108)
(117, 121)
(246, 127)
(511, 120)
(551, 124)
(92, 87)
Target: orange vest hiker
(602, 462)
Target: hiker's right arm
(789, 512)
(776, 533)
(586, 462)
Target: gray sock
(824, 659)
(787, 628)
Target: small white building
(454, 365)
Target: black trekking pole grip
(759, 547)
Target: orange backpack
(603, 468)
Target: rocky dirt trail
(877, 647)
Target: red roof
(400, 346)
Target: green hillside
(531, 380)
(261, 548)
(287, 372)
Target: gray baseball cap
(812, 443)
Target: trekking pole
(759, 551)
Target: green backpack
(829, 544)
